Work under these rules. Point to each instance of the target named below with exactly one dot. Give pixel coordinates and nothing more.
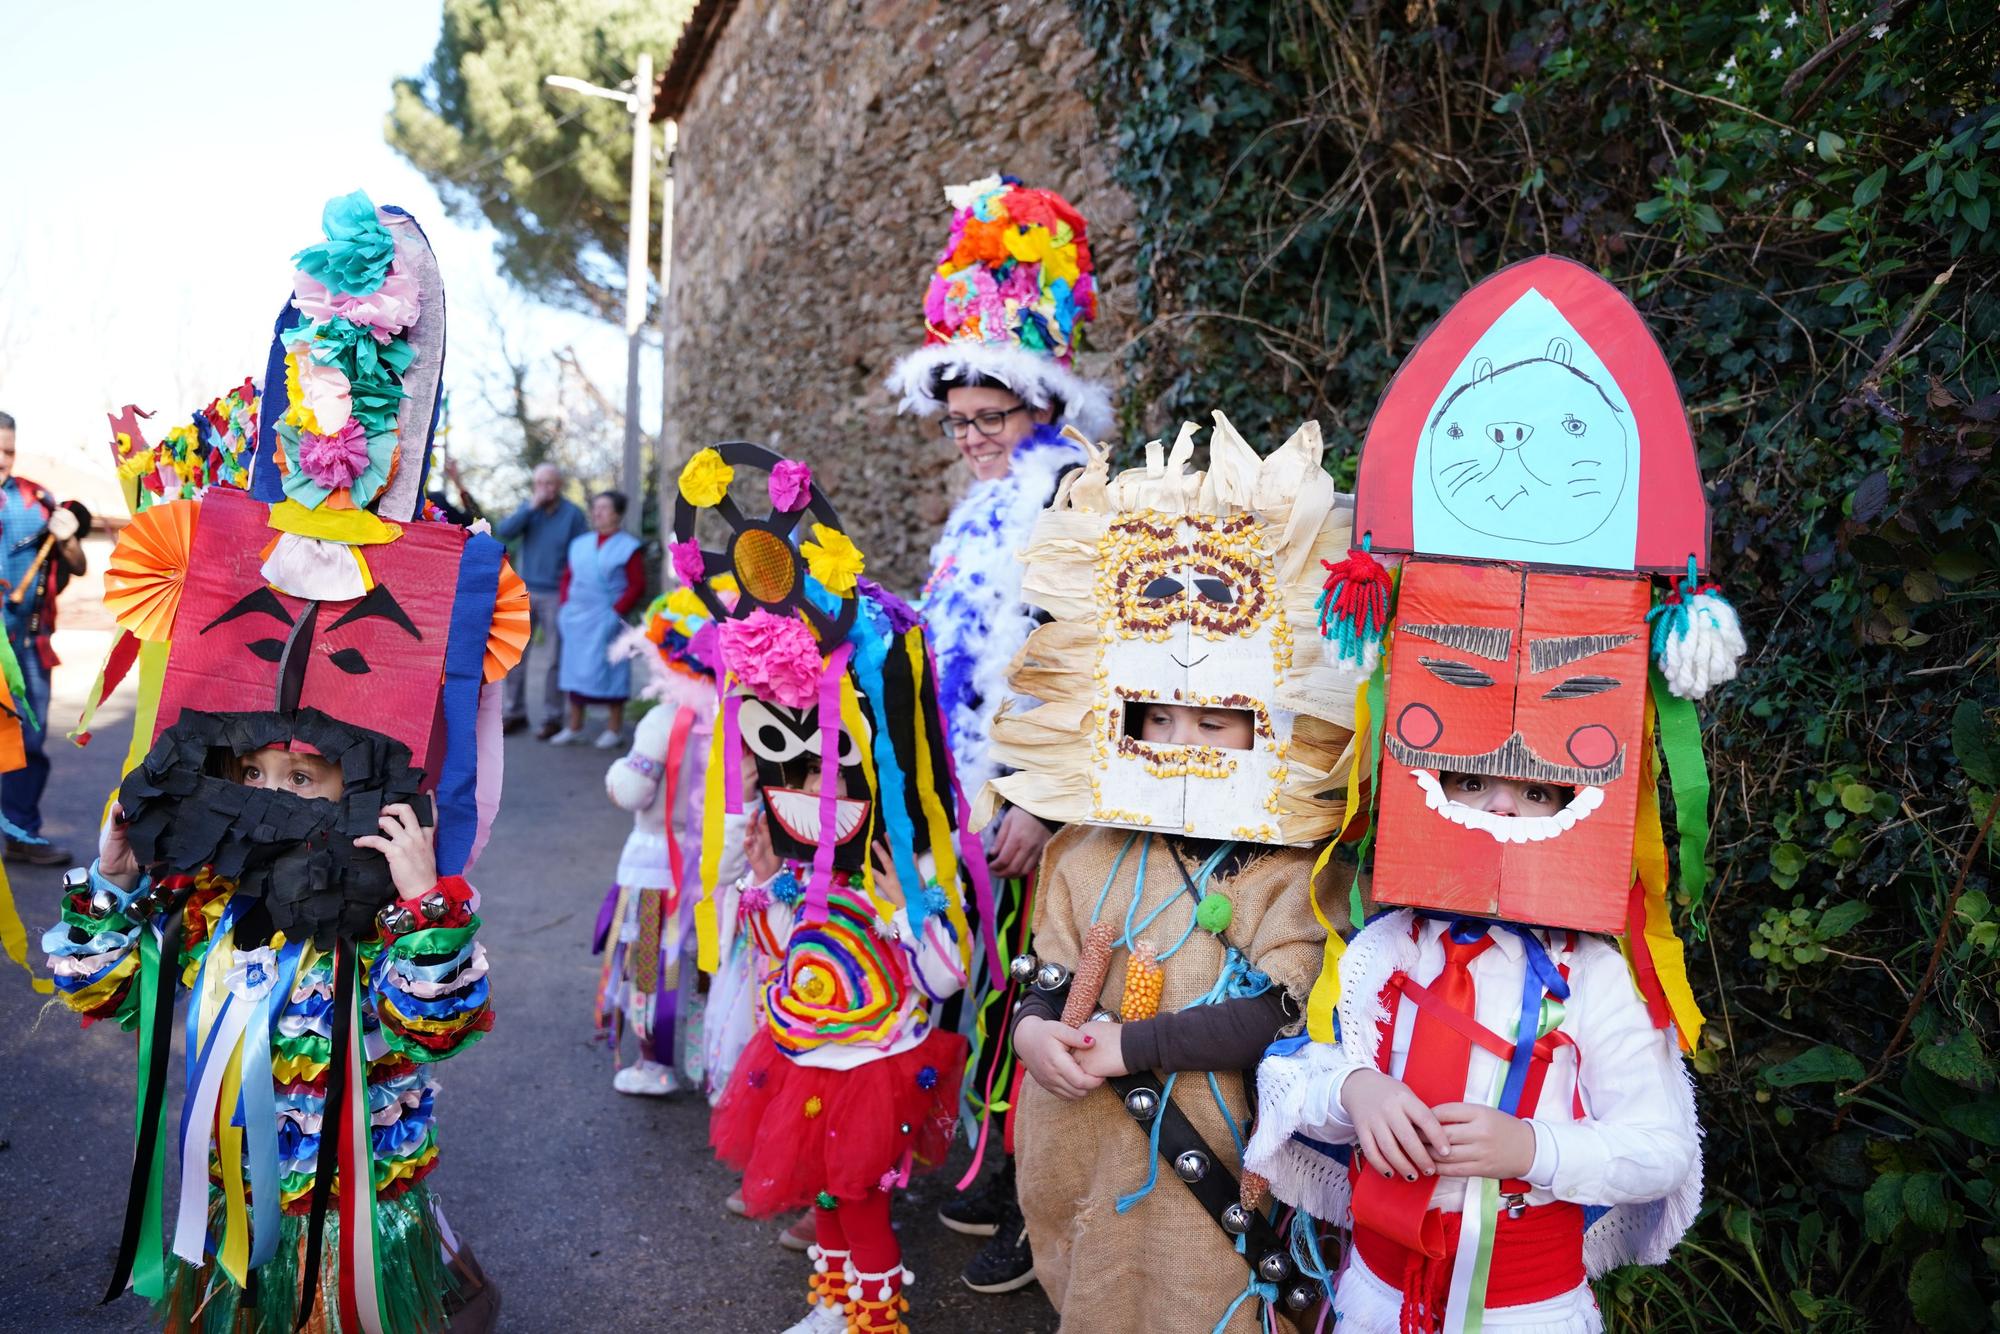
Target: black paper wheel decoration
(762, 554)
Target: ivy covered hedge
(1802, 200)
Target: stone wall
(813, 152)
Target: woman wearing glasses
(1003, 316)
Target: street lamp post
(639, 101)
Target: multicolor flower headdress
(819, 668)
(211, 448)
(1175, 587)
(1008, 299)
(1532, 467)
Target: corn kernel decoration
(1253, 1190)
(1093, 966)
(1144, 982)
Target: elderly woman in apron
(605, 579)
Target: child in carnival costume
(645, 926)
(305, 792)
(1193, 752)
(855, 881)
(1004, 316)
(1505, 1079)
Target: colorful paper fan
(142, 585)
(507, 640)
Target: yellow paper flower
(832, 559)
(297, 414)
(705, 479)
(1028, 245)
(1060, 265)
(813, 1106)
(682, 603)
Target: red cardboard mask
(376, 660)
(1513, 673)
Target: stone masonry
(814, 149)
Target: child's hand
(1105, 1057)
(116, 861)
(1392, 1127)
(410, 847)
(757, 850)
(888, 885)
(1045, 1047)
(1485, 1142)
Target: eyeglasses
(988, 424)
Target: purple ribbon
(829, 785)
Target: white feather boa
(973, 607)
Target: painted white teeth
(1509, 828)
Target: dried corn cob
(1144, 981)
(1254, 1188)
(1092, 968)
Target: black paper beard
(297, 854)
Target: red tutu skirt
(795, 1130)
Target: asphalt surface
(591, 1210)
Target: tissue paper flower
(335, 460)
(328, 397)
(790, 486)
(705, 479)
(775, 657)
(355, 257)
(833, 560)
(384, 312)
(686, 557)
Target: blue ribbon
(871, 650)
(266, 483)
(464, 673)
(257, 1109)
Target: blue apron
(589, 618)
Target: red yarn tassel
(1354, 606)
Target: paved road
(593, 1211)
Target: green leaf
(1857, 798)
(1924, 1202)
(1976, 1120)
(1824, 1064)
(1882, 1207)
(1706, 218)
(1973, 741)
(1507, 104)
(1652, 210)
(1788, 859)
(1870, 188)
(1957, 1058)
(1842, 918)
(1830, 146)
(1942, 1296)
(1966, 182)
(1977, 212)
(1713, 179)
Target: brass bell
(1051, 977)
(1299, 1297)
(396, 920)
(1191, 1166)
(1236, 1220)
(1142, 1103)
(1275, 1267)
(433, 906)
(1022, 967)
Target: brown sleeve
(1033, 1004)
(1229, 1035)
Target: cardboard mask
(1512, 673)
(1178, 588)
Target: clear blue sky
(159, 162)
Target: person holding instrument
(41, 550)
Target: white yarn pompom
(1704, 647)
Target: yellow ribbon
(1649, 857)
(708, 952)
(1325, 997)
(851, 722)
(943, 850)
(235, 1254)
(354, 528)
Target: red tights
(861, 1228)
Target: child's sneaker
(1004, 1263)
(734, 1204)
(648, 1079)
(609, 740)
(803, 1232)
(977, 1212)
(568, 736)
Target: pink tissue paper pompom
(790, 485)
(775, 657)
(335, 460)
(384, 312)
(686, 557)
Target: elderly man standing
(28, 516)
(545, 526)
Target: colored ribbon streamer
(1687, 772)
(969, 850)
(1651, 947)
(141, 1246)
(123, 653)
(361, 1283)
(677, 742)
(14, 935)
(464, 674)
(708, 954)
(913, 884)
(943, 855)
(891, 809)
(1324, 999)
(259, 1110)
(215, 1022)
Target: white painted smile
(1509, 828)
(797, 813)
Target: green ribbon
(434, 940)
(1377, 690)
(1687, 774)
(17, 685)
(149, 1270)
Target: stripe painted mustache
(1512, 758)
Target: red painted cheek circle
(1593, 746)
(1418, 725)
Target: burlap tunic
(1163, 1265)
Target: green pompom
(1215, 913)
(825, 1200)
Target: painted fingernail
(1089, 1041)
(1409, 1176)
(1387, 1173)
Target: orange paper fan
(142, 585)
(507, 640)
